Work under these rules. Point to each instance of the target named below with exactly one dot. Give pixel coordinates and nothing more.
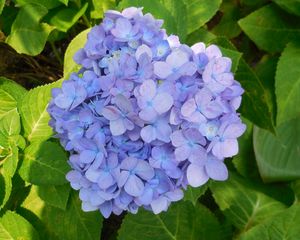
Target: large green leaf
(49, 4)
(243, 204)
(54, 223)
(45, 163)
(5, 187)
(256, 105)
(278, 155)
(2, 3)
(34, 115)
(27, 34)
(78, 42)
(228, 25)
(287, 83)
(15, 227)
(245, 161)
(199, 12)
(15, 90)
(284, 225)
(64, 18)
(181, 221)
(7, 103)
(192, 194)
(292, 6)
(271, 28)
(56, 196)
(99, 7)
(159, 10)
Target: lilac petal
(182, 153)
(196, 175)
(212, 110)
(216, 169)
(199, 156)
(106, 209)
(123, 103)
(144, 170)
(177, 58)
(225, 79)
(188, 108)
(213, 52)
(197, 117)
(123, 178)
(143, 49)
(175, 195)
(129, 163)
(222, 64)
(148, 114)
(177, 138)
(92, 175)
(134, 186)
(148, 133)
(88, 207)
(162, 69)
(227, 148)
(194, 135)
(162, 102)
(117, 127)
(234, 130)
(62, 101)
(163, 132)
(198, 48)
(87, 156)
(96, 200)
(159, 205)
(123, 27)
(148, 89)
(203, 97)
(111, 113)
(188, 69)
(81, 94)
(146, 197)
(84, 194)
(105, 180)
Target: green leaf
(10, 162)
(27, 34)
(193, 194)
(55, 223)
(64, 18)
(178, 11)
(242, 204)
(291, 6)
(64, 2)
(99, 7)
(200, 35)
(49, 4)
(296, 189)
(7, 103)
(15, 227)
(199, 12)
(245, 162)
(228, 25)
(34, 115)
(78, 42)
(56, 196)
(287, 83)
(44, 163)
(12, 88)
(5, 187)
(181, 221)
(256, 105)
(284, 225)
(271, 28)
(161, 11)
(10, 123)
(2, 3)
(278, 156)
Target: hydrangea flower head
(145, 116)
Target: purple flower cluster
(146, 116)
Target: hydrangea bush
(145, 116)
